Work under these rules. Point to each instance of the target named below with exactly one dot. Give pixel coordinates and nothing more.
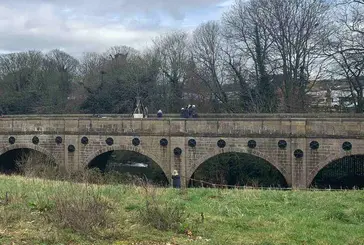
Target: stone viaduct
(297, 145)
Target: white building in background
(331, 95)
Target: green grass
(229, 216)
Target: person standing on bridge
(189, 110)
(182, 112)
(193, 111)
(159, 113)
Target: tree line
(262, 56)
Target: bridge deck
(203, 116)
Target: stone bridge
(298, 145)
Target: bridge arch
(28, 146)
(254, 152)
(127, 148)
(330, 158)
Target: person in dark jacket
(159, 114)
(189, 108)
(185, 113)
(176, 179)
(193, 111)
(182, 112)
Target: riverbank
(38, 211)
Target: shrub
(84, 213)
(162, 214)
(38, 165)
(35, 164)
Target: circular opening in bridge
(221, 143)
(252, 144)
(314, 145)
(84, 140)
(282, 144)
(27, 162)
(237, 169)
(192, 143)
(136, 142)
(347, 146)
(71, 148)
(12, 140)
(343, 173)
(177, 151)
(163, 142)
(35, 140)
(128, 167)
(109, 141)
(298, 153)
(58, 140)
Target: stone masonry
(298, 132)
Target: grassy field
(51, 212)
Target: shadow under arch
(28, 146)
(340, 171)
(10, 154)
(131, 149)
(286, 176)
(328, 160)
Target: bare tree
(172, 52)
(142, 72)
(345, 50)
(207, 54)
(250, 41)
(62, 61)
(114, 79)
(296, 29)
(21, 69)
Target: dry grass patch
(160, 213)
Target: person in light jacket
(193, 111)
(176, 179)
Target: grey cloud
(176, 8)
(93, 25)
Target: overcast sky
(77, 26)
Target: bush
(35, 164)
(162, 214)
(84, 213)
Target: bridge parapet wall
(234, 127)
